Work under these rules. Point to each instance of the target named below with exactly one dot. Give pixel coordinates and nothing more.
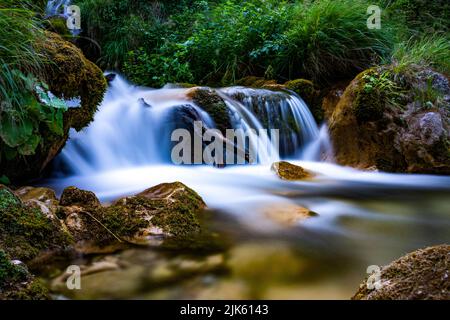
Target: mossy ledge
(69, 75)
(210, 101)
(169, 211)
(26, 232)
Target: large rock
(310, 94)
(210, 101)
(27, 232)
(422, 274)
(16, 283)
(394, 122)
(69, 75)
(169, 211)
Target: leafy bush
(421, 16)
(237, 38)
(330, 39)
(156, 70)
(26, 104)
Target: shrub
(421, 16)
(431, 51)
(237, 38)
(330, 39)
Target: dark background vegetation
(218, 42)
(205, 42)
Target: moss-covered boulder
(16, 283)
(289, 171)
(394, 121)
(71, 75)
(310, 94)
(68, 75)
(26, 232)
(210, 101)
(420, 275)
(74, 196)
(169, 211)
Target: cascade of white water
(133, 127)
(56, 7)
(284, 111)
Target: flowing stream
(364, 218)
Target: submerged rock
(287, 215)
(395, 122)
(166, 211)
(289, 171)
(419, 275)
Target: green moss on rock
(75, 196)
(419, 275)
(289, 171)
(213, 104)
(25, 231)
(71, 75)
(310, 94)
(382, 121)
(16, 283)
(169, 210)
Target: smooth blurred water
(364, 218)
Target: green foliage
(26, 104)
(420, 16)
(20, 125)
(218, 42)
(378, 90)
(156, 70)
(429, 51)
(330, 39)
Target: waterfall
(56, 7)
(284, 111)
(133, 127)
